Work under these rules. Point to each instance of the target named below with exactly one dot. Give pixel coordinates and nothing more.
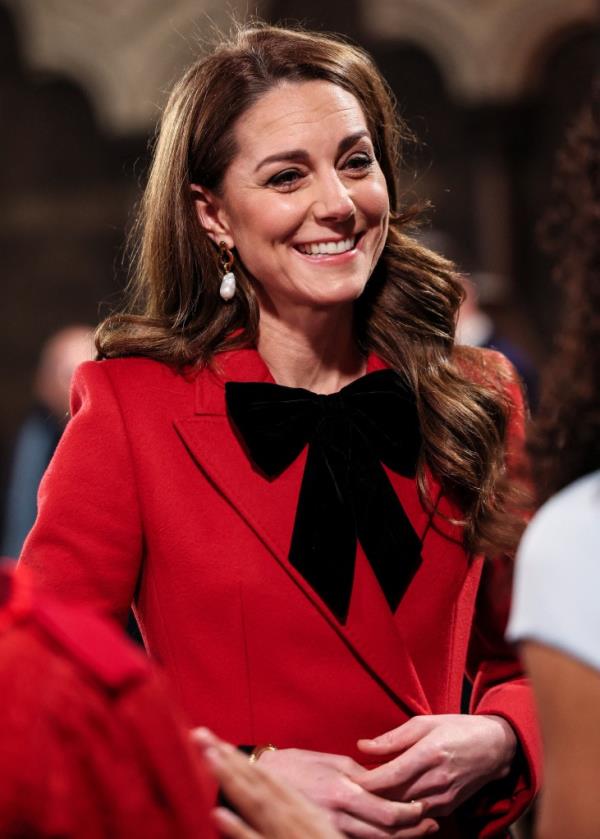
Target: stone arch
(432, 26)
(529, 35)
(126, 55)
(485, 50)
(126, 58)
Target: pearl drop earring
(227, 287)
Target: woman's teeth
(315, 248)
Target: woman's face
(304, 201)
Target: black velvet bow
(345, 492)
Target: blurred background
(488, 87)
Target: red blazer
(151, 497)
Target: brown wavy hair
(407, 314)
(565, 440)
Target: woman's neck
(317, 352)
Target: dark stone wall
(66, 194)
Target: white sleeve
(556, 597)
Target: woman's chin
(333, 301)
(334, 293)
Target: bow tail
(389, 540)
(323, 545)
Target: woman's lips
(342, 256)
(327, 248)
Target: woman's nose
(333, 201)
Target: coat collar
(236, 366)
(372, 633)
(240, 366)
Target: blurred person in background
(288, 464)
(486, 294)
(476, 327)
(556, 607)
(39, 434)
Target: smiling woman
(285, 461)
(311, 221)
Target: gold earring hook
(225, 257)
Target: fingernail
(202, 735)
(433, 829)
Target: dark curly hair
(408, 314)
(565, 440)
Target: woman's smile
(321, 252)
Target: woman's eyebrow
(301, 155)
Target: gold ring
(259, 750)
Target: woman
(555, 615)
(305, 596)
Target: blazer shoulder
(486, 367)
(130, 379)
(127, 369)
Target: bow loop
(345, 493)
(272, 421)
(385, 412)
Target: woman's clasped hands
(334, 782)
(430, 765)
(441, 759)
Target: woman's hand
(330, 781)
(443, 759)
(267, 809)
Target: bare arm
(568, 697)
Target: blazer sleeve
(499, 684)
(86, 543)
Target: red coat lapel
(269, 508)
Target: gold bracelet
(257, 751)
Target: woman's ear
(211, 215)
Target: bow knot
(331, 404)
(345, 493)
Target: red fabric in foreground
(90, 745)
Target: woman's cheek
(377, 202)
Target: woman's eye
(285, 179)
(360, 162)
